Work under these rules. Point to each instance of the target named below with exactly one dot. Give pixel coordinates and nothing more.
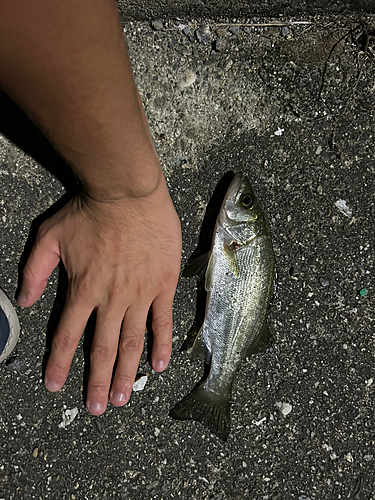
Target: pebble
(285, 31)
(68, 417)
(343, 207)
(187, 30)
(221, 33)
(324, 281)
(285, 408)
(219, 44)
(157, 25)
(203, 34)
(294, 272)
(235, 29)
(35, 452)
(15, 364)
(140, 383)
(188, 79)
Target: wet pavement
(292, 105)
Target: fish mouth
(236, 184)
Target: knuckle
(28, 273)
(99, 387)
(63, 342)
(132, 340)
(83, 287)
(114, 292)
(57, 369)
(101, 353)
(162, 323)
(125, 380)
(42, 231)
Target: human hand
(121, 257)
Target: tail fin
(206, 407)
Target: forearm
(66, 64)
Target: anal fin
(262, 341)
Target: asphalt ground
(293, 107)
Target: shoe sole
(14, 326)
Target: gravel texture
(292, 106)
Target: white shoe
(9, 327)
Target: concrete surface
(145, 10)
(293, 106)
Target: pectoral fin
(196, 267)
(231, 258)
(209, 280)
(262, 341)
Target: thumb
(42, 260)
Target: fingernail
(22, 299)
(95, 408)
(51, 385)
(118, 398)
(159, 365)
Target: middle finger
(102, 358)
(130, 350)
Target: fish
(239, 280)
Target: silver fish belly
(239, 281)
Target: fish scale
(228, 315)
(239, 280)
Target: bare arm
(66, 63)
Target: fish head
(240, 215)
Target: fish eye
(247, 201)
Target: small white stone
(139, 384)
(259, 422)
(327, 447)
(349, 458)
(68, 417)
(369, 382)
(187, 80)
(279, 131)
(318, 150)
(343, 207)
(285, 408)
(157, 432)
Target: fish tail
(206, 407)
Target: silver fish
(239, 282)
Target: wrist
(134, 188)
(124, 183)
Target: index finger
(72, 322)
